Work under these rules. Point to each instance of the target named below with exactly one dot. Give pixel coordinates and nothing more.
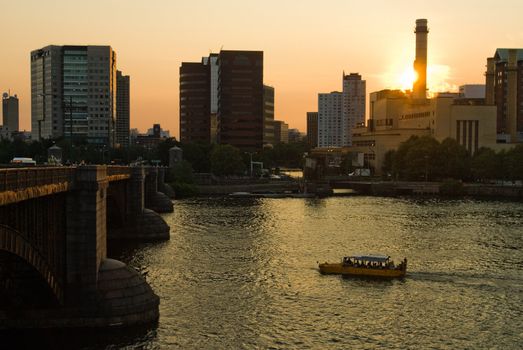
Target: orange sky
(307, 44)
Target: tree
(388, 163)
(198, 154)
(183, 172)
(514, 160)
(400, 162)
(163, 149)
(422, 160)
(456, 164)
(484, 164)
(226, 160)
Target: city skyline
(306, 47)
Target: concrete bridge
(54, 226)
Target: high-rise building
(294, 135)
(281, 132)
(123, 110)
(223, 99)
(10, 116)
(73, 93)
(340, 112)
(268, 115)
(504, 88)
(195, 101)
(353, 104)
(331, 125)
(312, 129)
(240, 99)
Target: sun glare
(407, 78)
(438, 77)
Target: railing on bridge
(21, 178)
(118, 170)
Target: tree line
(424, 158)
(221, 160)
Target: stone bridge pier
(101, 291)
(155, 200)
(129, 215)
(163, 187)
(54, 227)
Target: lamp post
(250, 163)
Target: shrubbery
(451, 188)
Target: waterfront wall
(384, 188)
(264, 187)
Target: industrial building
(395, 116)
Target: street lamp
(250, 164)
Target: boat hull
(340, 269)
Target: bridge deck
(19, 184)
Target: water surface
(242, 273)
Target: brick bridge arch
(13, 242)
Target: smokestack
(419, 90)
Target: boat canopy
(371, 258)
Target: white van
(23, 161)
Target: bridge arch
(13, 242)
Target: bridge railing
(118, 170)
(20, 178)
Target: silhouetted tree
(514, 160)
(388, 163)
(199, 155)
(226, 160)
(455, 158)
(484, 165)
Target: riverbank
(454, 189)
(273, 187)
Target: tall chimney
(419, 90)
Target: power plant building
(472, 91)
(419, 90)
(395, 116)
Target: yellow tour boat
(366, 266)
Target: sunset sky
(307, 44)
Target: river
(242, 274)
